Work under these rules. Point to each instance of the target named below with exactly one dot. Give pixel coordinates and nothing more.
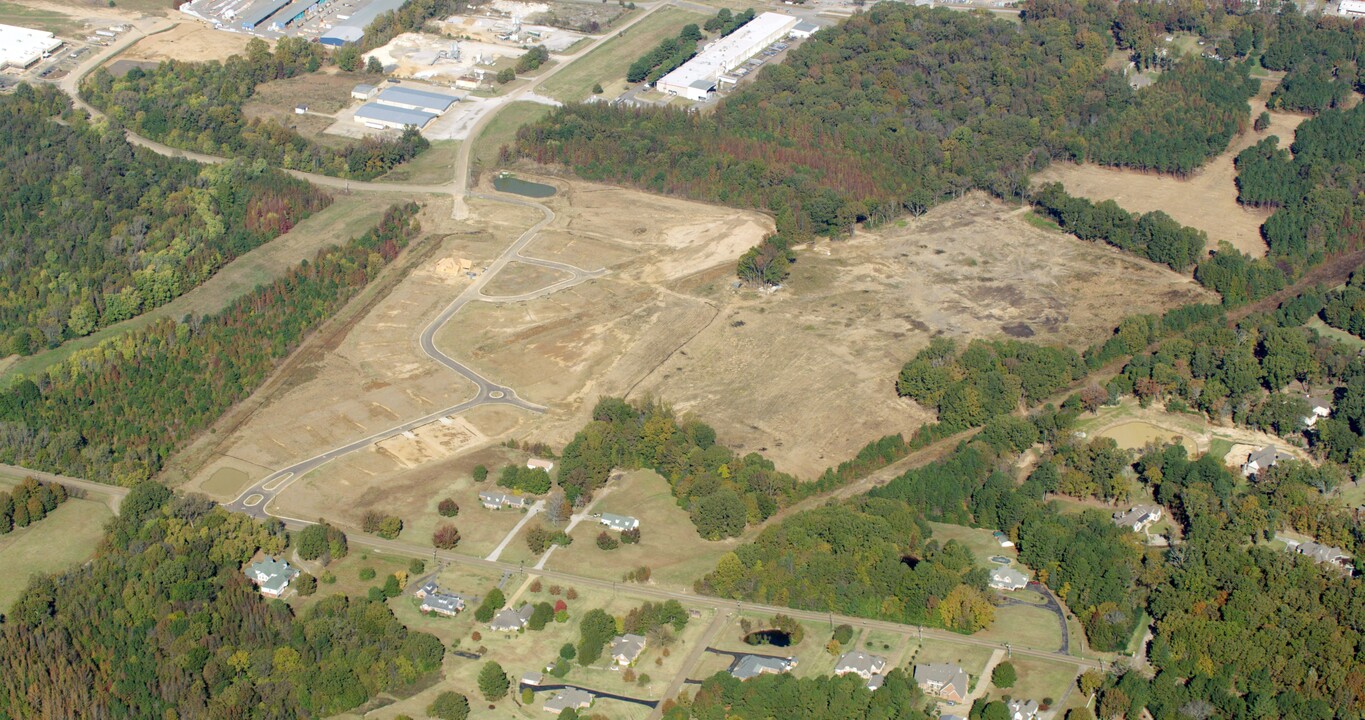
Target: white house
(869, 667)
(442, 604)
(1023, 709)
(1007, 578)
(1262, 459)
(1002, 539)
(272, 576)
(1318, 408)
(494, 500)
(363, 92)
(1326, 555)
(618, 522)
(1354, 9)
(751, 666)
(1138, 517)
(568, 698)
(509, 620)
(943, 680)
(538, 464)
(626, 649)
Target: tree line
(94, 231)
(29, 502)
(115, 412)
(198, 106)
(672, 52)
(722, 697)
(163, 623)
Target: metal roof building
(21, 47)
(414, 99)
(695, 78)
(260, 13)
(392, 117)
(342, 35)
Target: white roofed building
(21, 47)
(696, 78)
(1354, 9)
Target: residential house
(532, 679)
(427, 588)
(442, 604)
(1262, 459)
(272, 575)
(1002, 539)
(1326, 555)
(1008, 579)
(1318, 407)
(943, 680)
(568, 698)
(509, 620)
(538, 464)
(1023, 709)
(751, 666)
(626, 649)
(1138, 518)
(618, 522)
(868, 667)
(496, 500)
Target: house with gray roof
(1319, 406)
(1326, 555)
(441, 603)
(363, 91)
(1008, 579)
(626, 649)
(509, 620)
(1023, 709)
(751, 666)
(1138, 518)
(271, 575)
(497, 500)
(568, 698)
(532, 678)
(1263, 459)
(860, 663)
(943, 680)
(427, 588)
(618, 522)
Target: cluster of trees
(532, 481)
(322, 542)
(198, 107)
(986, 379)
(1345, 309)
(532, 59)
(722, 697)
(767, 263)
(725, 22)
(411, 16)
(900, 107)
(96, 231)
(1320, 56)
(377, 523)
(28, 502)
(492, 603)
(115, 412)
(653, 617)
(666, 56)
(1085, 469)
(163, 623)
(1154, 235)
(596, 629)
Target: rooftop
(628, 646)
(22, 46)
(412, 96)
(724, 54)
(568, 698)
(388, 113)
(754, 665)
(860, 662)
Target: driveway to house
(493, 556)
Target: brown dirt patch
(518, 278)
(1207, 200)
(190, 42)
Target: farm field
(67, 537)
(607, 64)
(1207, 200)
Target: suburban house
(509, 620)
(1318, 408)
(1007, 578)
(495, 500)
(272, 576)
(1138, 518)
(427, 588)
(1002, 538)
(1262, 459)
(442, 604)
(751, 666)
(943, 680)
(1323, 554)
(618, 522)
(532, 679)
(626, 649)
(1023, 709)
(568, 698)
(868, 667)
(538, 464)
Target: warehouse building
(408, 98)
(386, 116)
(697, 78)
(1354, 9)
(21, 47)
(258, 14)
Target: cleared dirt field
(1207, 200)
(324, 93)
(188, 41)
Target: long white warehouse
(697, 77)
(21, 47)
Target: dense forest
(722, 697)
(198, 107)
(723, 491)
(95, 231)
(163, 623)
(115, 412)
(898, 108)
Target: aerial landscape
(670, 359)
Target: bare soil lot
(188, 41)
(1207, 200)
(324, 93)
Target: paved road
(689, 664)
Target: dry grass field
(188, 41)
(1207, 200)
(65, 538)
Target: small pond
(1000, 560)
(526, 188)
(776, 638)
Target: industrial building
(387, 116)
(21, 47)
(697, 78)
(412, 99)
(1354, 9)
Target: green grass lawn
(610, 60)
(1042, 223)
(53, 22)
(65, 538)
(435, 165)
(979, 540)
(502, 130)
(971, 658)
(1038, 679)
(1338, 335)
(1025, 626)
